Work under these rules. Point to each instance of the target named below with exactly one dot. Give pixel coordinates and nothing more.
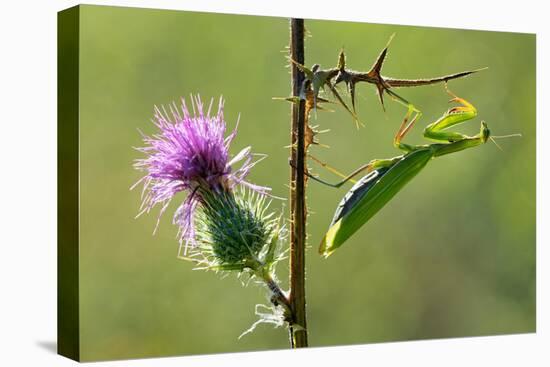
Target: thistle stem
(278, 295)
(297, 295)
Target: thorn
(391, 39)
(377, 66)
(351, 87)
(380, 89)
(341, 59)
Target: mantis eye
(485, 132)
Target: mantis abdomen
(370, 195)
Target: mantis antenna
(517, 135)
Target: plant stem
(297, 295)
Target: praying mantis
(386, 177)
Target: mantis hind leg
(406, 125)
(369, 167)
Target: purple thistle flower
(190, 153)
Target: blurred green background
(452, 255)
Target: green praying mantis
(386, 177)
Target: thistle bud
(234, 230)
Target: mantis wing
(368, 196)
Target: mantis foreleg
(454, 116)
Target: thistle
(224, 222)
(190, 153)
